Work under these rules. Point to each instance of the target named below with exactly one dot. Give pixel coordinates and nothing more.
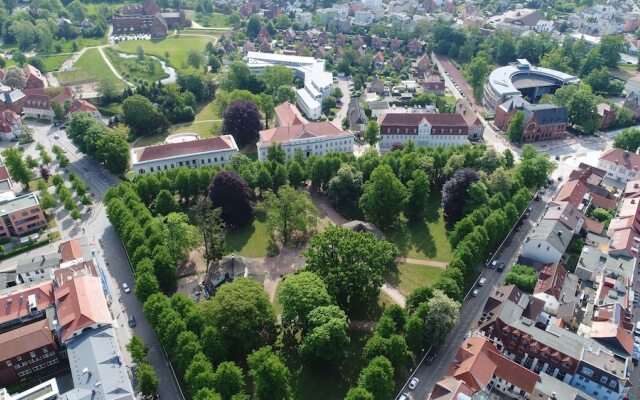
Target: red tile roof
(622, 158)
(284, 134)
(632, 189)
(15, 304)
(80, 105)
(162, 151)
(35, 335)
(80, 303)
(415, 119)
(69, 250)
(7, 119)
(288, 114)
(573, 192)
(608, 330)
(551, 280)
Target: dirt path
(430, 263)
(358, 325)
(394, 294)
(323, 205)
(111, 67)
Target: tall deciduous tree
(142, 117)
(290, 214)
(242, 120)
(327, 337)
(166, 203)
(147, 380)
(383, 197)
(241, 297)
(271, 378)
(418, 195)
(372, 133)
(211, 228)
(516, 127)
(138, 349)
(17, 167)
(345, 187)
(443, 314)
(15, 78)
(232, 194)
(351, 264)
(299, 294)
(180, 236)
(477, 71)
(629, 140)
(454, 194)
(377, 378)
(228, 380)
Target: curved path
(111, 67)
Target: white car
(475, 292)
(482, 281)
(413, 383)
(125, 287)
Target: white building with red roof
(10, 124)
(621, 165)
(423, 129)
(80, 105)
(314, 138)
(37, 102)
(188, 153)
(287, 114)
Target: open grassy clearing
(148, 68)
(408, 277)
(251, 240)
(213, 20)
(91, 67)
(424, 240)
(174, 49)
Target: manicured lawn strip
(204, 129)
(408, 277)
(213, 20)
(91, 67)
(251, 240)
(177, 46)
(205, 113)
(132, 67)
(53, 63)
(424, 241)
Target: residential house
(356, 117)
(379, 108)
(24, 304)
(323, 38)
(264, 35)
(304, 19)
(378, 60)
(422, 64)
(363, 18)
(80, 105)
(314, 138)
(289, 35)
(340, 39)
(376, 43)
(377, 86)
(194, 153)
(632, 102)
(36, 269)
(10, 125)
(547, 242)
(37, 102)
(621, 165)
(433, 83)
(607, 115)
(415, 46)
(398, 62)
(476, 127)
(21, 215)
(423, 129)
(12, 100)
(34, 78)
(358, 40)
(395, 44)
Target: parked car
(413, 383)
(482, 281)
(430, 358)
(63, 127)
(557, 158)
(494, 263)
(403, 396)
(132, 321)
(56, 136)
(125, 287)
(475, 292)
(501, 266)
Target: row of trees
(107, 146)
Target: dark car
(537, 197)
(430, 358)
(132, 321)
(63, 127)
(501, 266)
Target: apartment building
(620, 165)
(423, 129)
(21, 215)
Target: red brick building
(607, 115)
(541, 121)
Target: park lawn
(205, 113)
(251, 240)
(203, 129)
(131, 68)
(177, 48)
(424, 240)
(408, 277)
(91, 67)
(213, 20)
(53, 63)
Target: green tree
(418, 195)
(241, 297)
(372, 133)
(166, 203)
(583, 110)
(629, 140)
(146, 285)
(228, 380)
(253, 26)
(610, 48)
(138, 350)
(279, 177)
(271, 378)
(477, 71)
(295, 173)
(345, 187)
(351, 264)
(443, 314)
(194, 58)
(290, 214)
(187, 346)
(277, 76)
(199, 374)
(377, 378)
(58, 110)
(327, 338)
(516, 127)
(147, 380)
(211, 228)
(383, 197)
(523, 277)
(179, 235)
(142, 117)
(18, 168)
(299, 294)
(358, 393)
(107, 91)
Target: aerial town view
(319, 200)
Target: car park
(475, 292)
(413, 383)
(125, 287)
(482, 281)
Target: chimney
(559, 233)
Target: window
(32, 354)
(8, 363)
(612, 384)
(603, 379)
(19, 358)
(151, 169)
(587, 371)
(165, 167)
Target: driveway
(343, 84)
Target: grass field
(91, 67)
(250, 241)
(408, 277)
(177, 48)
(424, 240)
(51, 63)
(148, 69)
(213, 20)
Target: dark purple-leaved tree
(454, 194)
(241, 119)
(232, 193)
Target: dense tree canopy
(299, 294)
(242, 120)
(454, 194)
(231, 193)
(383, 197)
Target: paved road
(99, 230)
(471, 309)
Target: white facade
(15, 132)
(316, 146)
(310, 106)
(37, 113)
(423, 138)
(618, 172)
(193, 160)
(363, 18)
(541, 251)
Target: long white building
(317, 82)
(189, 153)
